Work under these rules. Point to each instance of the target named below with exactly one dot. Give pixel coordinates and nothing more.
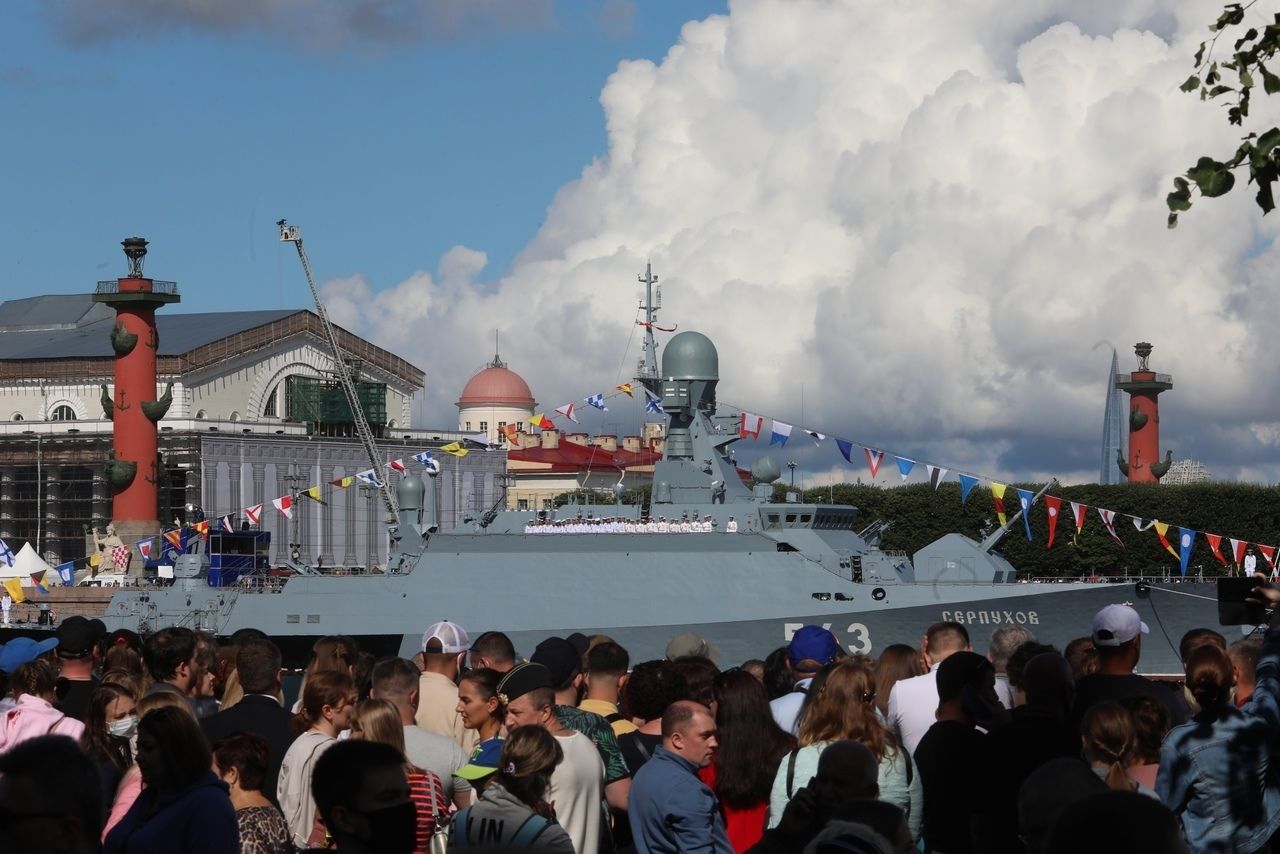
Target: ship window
(791, 518)
(772, 520)
(805, 518)
(63, 412)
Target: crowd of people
(180, 742)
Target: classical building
(255, 413)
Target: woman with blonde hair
(1109, 739)
(379, 720)
(325, 710)
(515, 801)
(842, 705)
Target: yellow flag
(625, 388)
(14, 586)
(1161, 530)
(997, 494)
(456, 449)
(314, 494)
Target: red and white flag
(1237, 550)
(253, 514)
(396, 465)
(1079, 510)
(1268, 552)
(750, 425)
(120, 557)
(285, 505)
(874, 459)
(1053, 505)
(567, 412)
(1215, 546)
(1109, 520)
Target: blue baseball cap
(484, 760)
(20, 650)
(813, 643)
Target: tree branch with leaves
(1232, 81)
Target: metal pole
(39, 493)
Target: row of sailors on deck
(620, 525)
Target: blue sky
(924, 215)
(199, 139)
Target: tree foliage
(921, 515)
(1231, 81)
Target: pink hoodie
(33, 716)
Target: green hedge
(920, 515)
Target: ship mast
(647, 371)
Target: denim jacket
(1217, 773)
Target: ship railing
(1166, 578)
(260, 583)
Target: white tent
(27, 563)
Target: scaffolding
(323, 407)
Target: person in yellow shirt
(607, 665)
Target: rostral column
(133, 467)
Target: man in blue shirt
(671, 810)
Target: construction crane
(293, 234)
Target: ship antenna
(647, 373)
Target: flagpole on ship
(647, 372)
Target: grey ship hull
(736, 590)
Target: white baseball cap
(1117, 624)
(451, 637)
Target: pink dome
(496, 385)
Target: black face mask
(393, 830)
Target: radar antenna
(293, 234)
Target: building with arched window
(254, 411)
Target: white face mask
(123, 727)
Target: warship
(744, 578)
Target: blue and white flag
(781, 433)
(6, 553)
(1186, 540)
(653, 403)
(228, 524)
(967, 483)
(423, 457)
(67, 572)
(369, 477)
(596, 400)
(1025, 497)
(904, 466)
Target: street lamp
(792, 465)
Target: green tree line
(920, 515)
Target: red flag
(1053, 505)
(1268, 552)
(1215, 546)
(285, 505)
(202, 528)
(750, 425)
(1161, 528)
(874, 459)
(396, 465)
(174, 536)
(1237, 550)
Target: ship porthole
(878, 594)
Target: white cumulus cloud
(923, 215)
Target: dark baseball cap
(560, 657)
(78, 635)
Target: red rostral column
(1143, 387)
(133, 467)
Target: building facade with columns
(254, 413)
